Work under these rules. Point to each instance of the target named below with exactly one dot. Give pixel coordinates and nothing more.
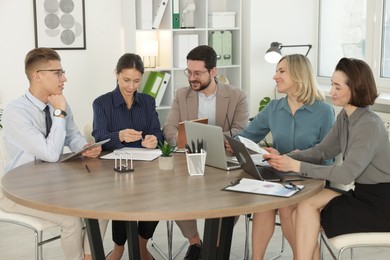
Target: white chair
(35, 224)
(170, 255)
(351, 241)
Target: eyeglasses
(291, 186)
(60, 72)
(196, 74)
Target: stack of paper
(138, 154)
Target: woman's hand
(271, 150)
(129, 135)
(282, 162)
(150, 141)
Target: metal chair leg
(248, 218)
(170, 255)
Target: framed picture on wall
(59, 24)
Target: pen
(86, 167)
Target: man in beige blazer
(206, 97)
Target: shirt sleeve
(362, 148)
(259, 127)
(241, 114)
(101, 126)
(74, 139)
(23, 132)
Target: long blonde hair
(301, 73)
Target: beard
(202, 86)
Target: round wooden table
(146, 194)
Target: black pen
(86, 166)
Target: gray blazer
(232, 105)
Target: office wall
(90, 72)
(285, 21)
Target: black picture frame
(60, 24)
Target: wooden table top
(145, 194)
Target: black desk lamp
(274, 54)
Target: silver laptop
(213, 142)
(264, 173)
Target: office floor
(16, 243)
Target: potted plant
(166, 159)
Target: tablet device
(75, 155)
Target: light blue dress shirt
(25, 129)
(307, 127)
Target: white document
(252, 145)
(258, 157)
(138, 154)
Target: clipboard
(264, 187)
(75, 155)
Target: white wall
(90, 72)
(285, 21)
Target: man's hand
(57, 101)
(93, 152)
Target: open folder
(264, 187)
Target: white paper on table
(263, 187)
(139, 154)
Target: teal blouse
(306, 128)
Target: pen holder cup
(196, 163)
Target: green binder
(175, 14)
(152, 84)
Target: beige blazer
(232, 105)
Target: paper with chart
(264, 187)
(258, 160)
(138, 154)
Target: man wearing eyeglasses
(206, 97)
(38, 125)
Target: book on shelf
(163, 87)
(175, 14)
(159, 14)
(153, 83)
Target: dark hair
(130, 61)
(37, 57)
(360, 81)
(204, 53)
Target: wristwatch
(58, 112)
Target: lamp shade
(149, 48)
(273, 54)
